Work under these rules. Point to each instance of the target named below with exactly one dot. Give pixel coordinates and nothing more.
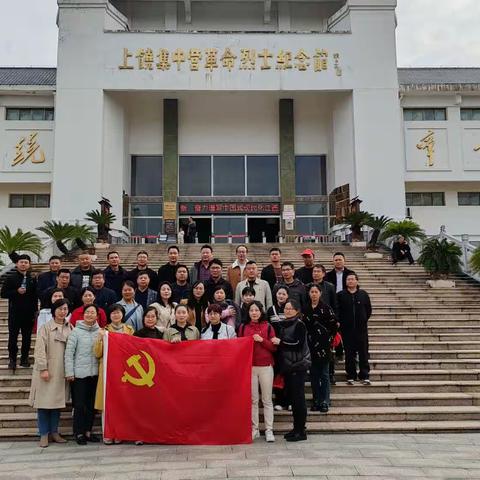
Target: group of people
(295, 317)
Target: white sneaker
(255, 434)
(278, 408)
(269, 436)
(350, 381)
(138, 442)
(366, 382)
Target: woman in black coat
(321, 326)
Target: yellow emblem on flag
(146, 378)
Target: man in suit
(338, 275)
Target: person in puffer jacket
(81, 369)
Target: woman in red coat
(88, 298)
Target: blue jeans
(320, 380)
(48, 419)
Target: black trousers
(15, 326)
(83, 390)
(397, 257)
(295, 387)
(356, 344)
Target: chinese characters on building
(211, 59)
(228, 208)
(28, 149)
(428, 143)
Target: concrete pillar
(287, 157)
(170, 159)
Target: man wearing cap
(304, 274)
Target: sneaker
(315, 408)
(366, 382)
(25, 364)
(350, 381)
(324, 407)
(291, 433)
(255, 434)
(269, 436)
(278, 408)
(117, 442)
(138, 442)
(93, 438)
(107, 441)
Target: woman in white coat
(216, 329)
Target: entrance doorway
(204, 229)
(270, 226)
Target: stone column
(287, 158)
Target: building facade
(253, 117)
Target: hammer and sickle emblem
(146, 378)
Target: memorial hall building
(259, 118)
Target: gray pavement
(373, 456)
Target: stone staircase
(424, 350)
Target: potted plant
(440, 258)
(59, 232)
(411, 230)
(82, 234)
(377, 224)
(357, 220)
(11, 244)
(103, 221)
(475, 261)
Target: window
(425, 199)
(195, 176)
(226, 175)
(468, 198)
(262, 175)
(33, 114)
(310, 176)
(146, 226)
(424, 114)
(147, 176)
(30, 200)
(308, 225)
(470, 114)
(229, 175)
(147, 209)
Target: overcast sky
(429, 33)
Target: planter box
(441, 283)
(373, 255)
(359, 244)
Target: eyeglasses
(289, 308)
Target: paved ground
(452, 456)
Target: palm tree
(82, 234)
(378, 224)
(475, 260)
(408, 228)
(59, 232)
(19, 241)
(357, 220)
(102, 220)
(440, 257)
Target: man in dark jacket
(20, 288)
(273, 273)
(338, 275)
(104, 297)
(166, 273)
(70, 293)
(82, 275)
(329, 296)
(142, 266)
(217, 279)
(304, 274)
(296, 288)
(200, 270)
(401, 251)
(115, 274)
(48, 279)
(354, 310)
(181, 288)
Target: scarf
(182, 331)
(216, 330)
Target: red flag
(194, 392)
